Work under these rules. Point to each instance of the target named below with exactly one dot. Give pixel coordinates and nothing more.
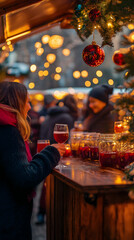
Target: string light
(131, 26)
(66, 52)
(45, 39)
(87, 83)
(39, 97)
(41, 73)
(110, 25)
(110, 82)
(76, 74)
(33, 68)
(46, 64)
(31, 85)
(38, 45)
(51, 57)
(58, 69)
(46, 73)
(17, 80)
(57, 77)
(39, 51)
(84, 74)
(56, 41)
(99, 73)
(95, 80)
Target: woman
(65, 113)
(101, 118)
(18, 174)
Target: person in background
(49, 101)
(66, 113)
(35, 129)
(101, 117)
(19, 173)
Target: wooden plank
(12, 5)
(76, 215)
(118, 217)
(91, 220)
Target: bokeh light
(51, 57)
(57, 77)
(76, 74)
(87, 83)
(41, 73)
(110, 82)
(84, 73)
(45, 39)
(33, 68)
(99, 73)
(58, 69)
(95, 80)
(46, 64)
(17, 80)
(31, 85)
(56, 41)
(66, 52)
(38, 45)
(131, 26)
(39, 51)
(39, 97)
(46, 73)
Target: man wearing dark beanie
(102, 118)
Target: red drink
(125, 159)
(108, 159)
(84, 152)
(118, 129)
(41, 144)
(94, 153)
(61, 137)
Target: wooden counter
(86, 202)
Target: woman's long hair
(70, 102)
(14, 95)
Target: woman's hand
(60, 147)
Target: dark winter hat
(101, 92)
(48, 99)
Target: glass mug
(41, 144)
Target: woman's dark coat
(102, 122)
(17, 180)
(55, 115)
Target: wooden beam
(2, 35)
(16, 5)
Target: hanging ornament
(119, 58)
(93, 55)
(94, 15)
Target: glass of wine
(61, 135)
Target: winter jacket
(55, 115)
(102, 122)
(18, 178)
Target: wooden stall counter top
(87, 176)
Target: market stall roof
(20, 19)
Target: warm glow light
(79, 26)
(66, 52)
(17, 80)
(126, 74)
(110, 82)
(76, 74)
(87, 83)
(99, 73)
(3, 48)
(110, 25)
(45, 39)
(31, 85)
(59, 95)
(57, 77)
(131, 26)
(11, 48)
(55, 41)
(95, 80)
(33, 68)
(51, 57)
(46, 65)
(39, 51)
(46, 73)
(71, 90)
(8, 43)
(41, 73)
(38, 45)
(80, 95)
(58, 69)
(18, 36)
(39, 97)
(84, 74)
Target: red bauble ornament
(119, 58)
(94, 15)
(93, 55)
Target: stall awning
(20, 19)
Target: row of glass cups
(103, 147)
